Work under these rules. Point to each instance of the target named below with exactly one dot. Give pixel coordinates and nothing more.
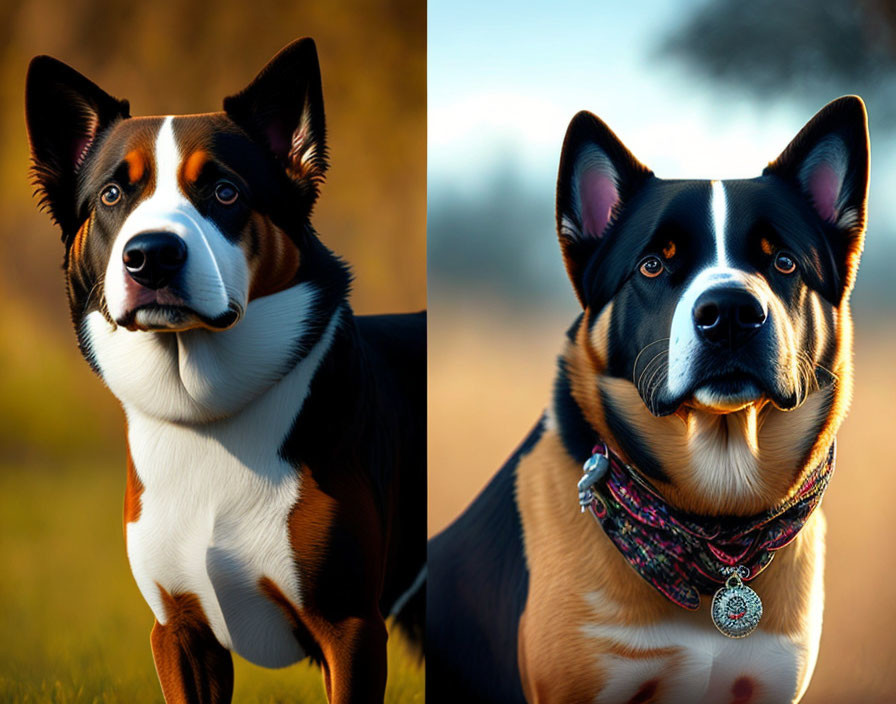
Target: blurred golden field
(490, 376)
(75, 628)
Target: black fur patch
(478, 585)
(362, 423)
(576, 433)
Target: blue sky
(505, 78)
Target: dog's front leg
(193, 667)
(354, 660)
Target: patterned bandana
(684, 555)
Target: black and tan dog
(702, 387)
(276, 472)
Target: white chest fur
(215, 510)
(697, 665)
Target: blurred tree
(497, 242)
(786, 49)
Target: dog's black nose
(728, 316)
(154, 258)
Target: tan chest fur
(593, 630)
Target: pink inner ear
(277, 138)
(84, 143)
(824, 188)
(598, 195)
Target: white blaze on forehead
(167, 164)
(215, 274)
(719, 206)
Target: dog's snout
(729, 316)
(153, 259)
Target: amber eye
(651, 267)
(110, 195)
(785, 263)
(226, 193)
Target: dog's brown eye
(110, 195)
(651, 267)
(226, 193)
(785, 263)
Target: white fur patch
(720, 222)
(706, 664)
(200, 375)
(215, 275)
(216, 504)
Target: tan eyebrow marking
(766, 246)
(669, 250)
(136, 161)
(194, 164)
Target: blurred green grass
(75, 628)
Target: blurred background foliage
(76, 627)
(808, 51)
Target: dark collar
(685, 555)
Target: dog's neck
(682, 555)
(738, 463)
(201, 376)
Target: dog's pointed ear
(283, 108)
(597, 177)
(828, 163)
(64, 113)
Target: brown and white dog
(276, 469)
(712, 362)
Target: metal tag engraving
(736, 609)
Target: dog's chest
(214, 521)
(593, 630)
(678, 661)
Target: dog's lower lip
(726, 393)
(179, 313)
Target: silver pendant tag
(594, 469)
(736, 609)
